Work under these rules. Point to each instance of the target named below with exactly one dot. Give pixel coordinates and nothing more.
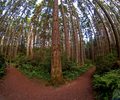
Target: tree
(67, 42)
(56, 68)
(117, 38)
(75, 46)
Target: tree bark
(117, 38)
(56, 69)
(67, 41)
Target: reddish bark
(56, 69)
(67, 42)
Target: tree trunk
(117, 38)
(75, 34)
(81, 54)
(67, 42)
(56, 69)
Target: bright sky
(39, 1)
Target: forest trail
(16, 86)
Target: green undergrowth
(76, 71)
(35, 72)
(106, 81)
(107, 85)
(2, 66)
(42, 73)
(40, 69)
(106, 63)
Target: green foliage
(68, 65)
(88, 62)
(107, 77)
(2, 65)
(116, 94)
(107, 85)
(42, 58)
(72, 70)
(75, 72)
(35, 72)
(40, 65)
(36, 67)
(106, 63)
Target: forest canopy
(58, 40)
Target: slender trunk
(104, 25)
(117, 38)
(75, 34)
(2, 44)
(67, 42)
(81, 54)
(27, 46)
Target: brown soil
(16, 86)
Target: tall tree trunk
(2, 44)
(31, 43)
(67, 42)
(74, 32)
(117, 38)
(104, 25)
(81, 54)
(56, 69)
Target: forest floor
(16, 86)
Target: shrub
(75, 72)
(116, 94)
(36, 67)
(107, 77)
(35, 72)
(68, 65)
(43, 61)
(2, 65)
(107, 85)
(40, 65)
(106, 63)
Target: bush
(2, 65)
(75, 72)
(116, 94)
(107, 77)
(36, 67)
(43, 61)
(40, 65)
(106, 63)
(107, 86)
(68, 65)
(35, 72)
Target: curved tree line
(86, 31)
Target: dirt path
(16, 86)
